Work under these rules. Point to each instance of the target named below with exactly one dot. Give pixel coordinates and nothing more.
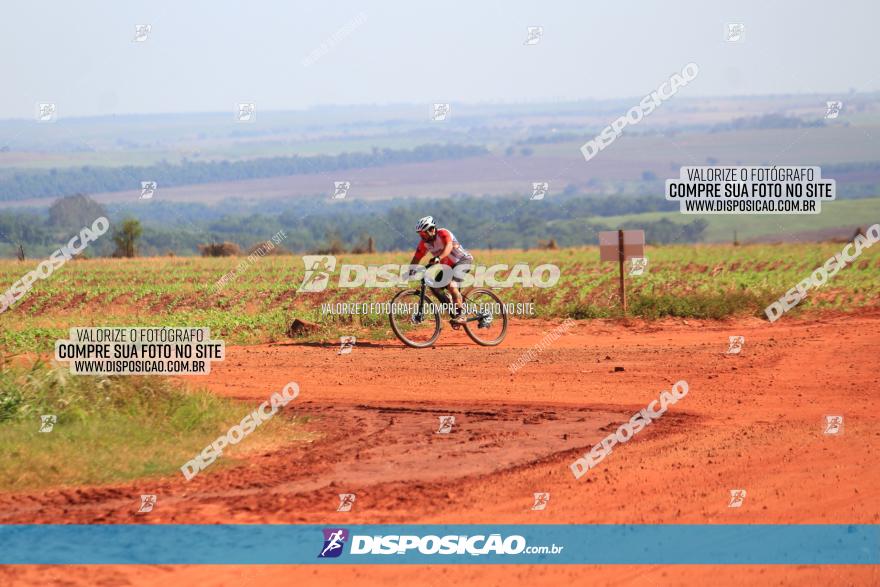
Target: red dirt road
(752, 421)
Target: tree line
(479, 223)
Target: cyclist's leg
(459, 270)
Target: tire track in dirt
(363, 449)
(749, 421)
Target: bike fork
(420, 312)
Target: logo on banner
(334, 540)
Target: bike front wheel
(486, 317)
(414, 321)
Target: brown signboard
(609, 245)
(620, 245)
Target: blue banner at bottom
(269, 544)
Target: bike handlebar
(431, 263)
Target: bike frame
(441, 295)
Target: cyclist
(443, 245)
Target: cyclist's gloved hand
(410, 272)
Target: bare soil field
(752, 421)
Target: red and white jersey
(436, 247)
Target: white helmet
(426, 223)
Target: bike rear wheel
(416, 324)
(486, 318)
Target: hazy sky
(208, 56)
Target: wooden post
(621, 259)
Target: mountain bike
(416, 318)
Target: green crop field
(260, 298)
(845, 213)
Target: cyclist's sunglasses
(427, 233)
